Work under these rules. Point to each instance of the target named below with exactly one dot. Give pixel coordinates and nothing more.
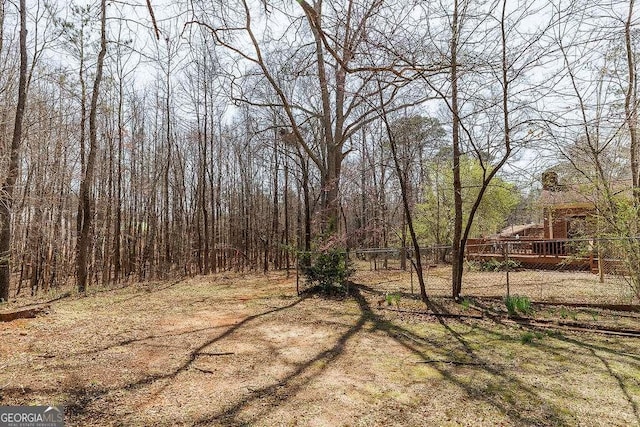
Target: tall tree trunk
(203, 171)
(166, 235)
(307, 205)
(631, 109)
(275, 215)
(6, 191)
(286, 216)
(404, 192)
(117, 235)
(1, 24)
(409, 220)
(456, 249)
(84, 204)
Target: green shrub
(491, 265)
(328, 270)
(496, 265)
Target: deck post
(505, 252)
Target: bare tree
(401, 173)
(631, 106)
(340, 107)
(84, 217)
(7, 188)
(597, 138)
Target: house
(568, 211)
(521, 231)
(566, 238)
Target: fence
(593, 271)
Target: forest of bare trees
(147, 140)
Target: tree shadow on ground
(506, 386)
(274, 394)
(501, 397)
(633, 360)
(79, 398)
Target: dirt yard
(234, 349)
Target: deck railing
(540, 247)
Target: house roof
(578, 195)
(512, 230)
(566, 198)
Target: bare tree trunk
(286, 216)
(402, 178)
(631, 110)
(275, 220)
(166, 224)
(456, 249)
(409, 221)
(461, 236)
(6, 190)
(307, 206)
(84, 205)
(1, 24)
(117, 238)
(203, 171)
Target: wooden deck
(559, 254)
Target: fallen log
(28, 313)
(433, 313)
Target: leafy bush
(328, 270)
(496, 265)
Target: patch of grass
(517, 304)
(528, 337)
(554, 334)
(564, 313)
(466, 303)
(393, 298)
(510, 303)
(523, 304)
(492, 374)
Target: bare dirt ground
(232, 349)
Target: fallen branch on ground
(432, 313)
(452, 362)
(29, 313)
